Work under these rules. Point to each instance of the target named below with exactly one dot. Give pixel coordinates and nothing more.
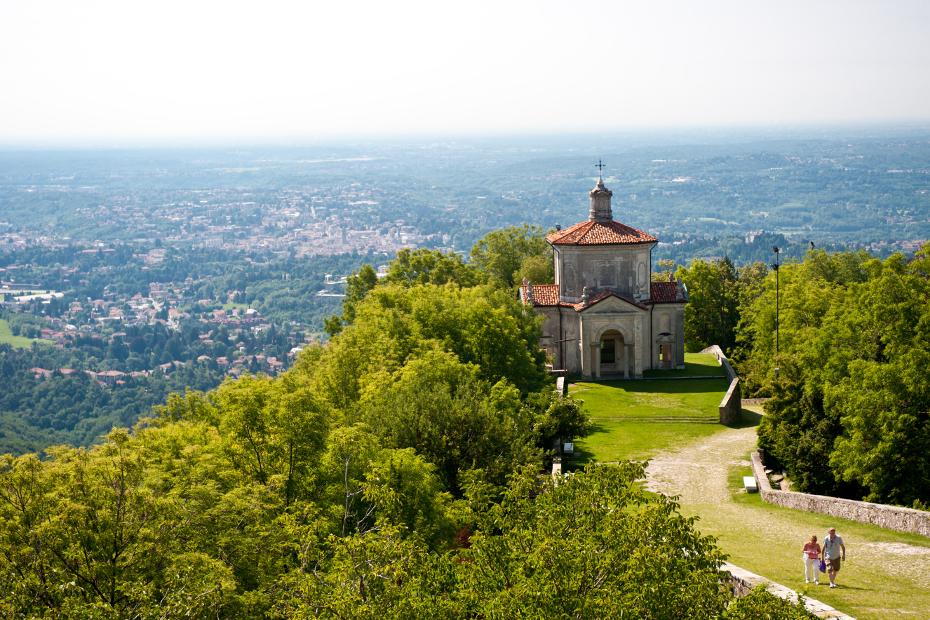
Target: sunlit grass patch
(638, 419)
(20, 342)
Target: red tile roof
(543, 294)
(591, 232)
(666, 293)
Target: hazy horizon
(629, 138)
(109, 74)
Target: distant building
(603, 315)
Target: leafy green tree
(537, 269)
(441, 408)
(593, 545)
(97, 533)
(712, 312)
(886, 428)
(560, 420)
(192, 406)
(357, 286)
(273, 429)
(424, 266)
(664, 270)
(798, 433)
(847, 414)
(503, 254)
(350, 452)
(807, 292)
(371, 575)
(405, 491)
(760, 604)
(481, 325)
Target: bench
(750, 483)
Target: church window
(571, 279)
(605, 274)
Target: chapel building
(604, 317)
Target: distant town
(125, 275)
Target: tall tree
(357, 286)
(506, 254)
(424, 266)
(712, 314)
(446, 412)
(595, 545)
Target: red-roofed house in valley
(110, 377)
(603, 315)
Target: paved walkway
(698, 473)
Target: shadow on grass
(662, 386)
(582, 455)
(747, 418)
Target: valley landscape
(442, 310)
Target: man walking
(834, 552)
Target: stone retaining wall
(731, 406)
(742, 582)
(890, 517)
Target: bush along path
(887, 574)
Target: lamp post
(776, 250)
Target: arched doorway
(613, 354)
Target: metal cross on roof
(600, 167)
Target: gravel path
(697, 474)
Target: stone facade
(603, 315)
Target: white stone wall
(731, 407)
(895, 518)
(626, 269)
(668, 318)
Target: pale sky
(95, 72)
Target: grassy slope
(637, 419)
(889, 589)
(7, 337)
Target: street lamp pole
(776, 250)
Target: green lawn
(637, 419)
(888, 589)
(7, 337)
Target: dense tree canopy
(508, 255)
(484, 326)
(850, 412)
(422, 266)
(712, 313)
(163, 523)
(395, 472)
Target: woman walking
(811, 557)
